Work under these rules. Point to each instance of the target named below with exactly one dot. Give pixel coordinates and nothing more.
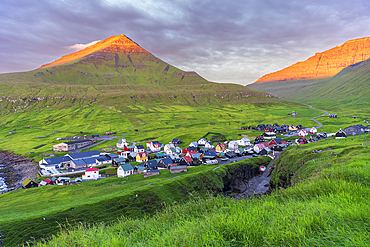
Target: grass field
(38, 212)
(345, 93)
(162, 123)
(327, 206)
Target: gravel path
(314, 118)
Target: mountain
(115, 71)
(114, 44)
(349, 89)
(325, 64)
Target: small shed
(178, 169)
(149, 173)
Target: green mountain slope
(115, 71)
(350, 88)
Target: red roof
(188, 159)
(92, 170)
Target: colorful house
(91, 174)
(221, 147)
(259, 146)
(154, 146)
(275, 142)
(29, 183)
(141, 157)
(292, 128)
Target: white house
(125, 170)
(209, 145)
(313, 130)
(174, 156)
(202, 142)
(194, 144)
(122, 143)
(167, 148)
(170, 151)
(259, 146)
(233, 145)
(303, 132)
(154, 146)
(269, 135)
(244, 142)
(91, 174)
(178, 150)
(139, 149)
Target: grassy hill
(348, 89)
(114, 72)
(327, 206)
(38, 212)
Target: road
(313, 119)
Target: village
(129, 159)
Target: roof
(188, 159)
(120, 159)
(142, 155)
(155, 142)
(211, 153)
(178, 167)
(102, 158)
(175, 140)
(126, 167)
(196, 155)
(79, 141)
(57, 160)
(90, 160)
(80, 162)
(140, 168)
(161, 154)
(152, 171)
(92, 170)
(84, 154)
(112, 156)
(262, 145)
(26, 182)
(167, 161)
(152, 163)
(139, 147)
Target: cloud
(77, 47)
(224, 41)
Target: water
(3, 185)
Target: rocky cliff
(325, 64)
(114, 44)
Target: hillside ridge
(323, 64)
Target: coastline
(14, 169)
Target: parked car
(224, 159)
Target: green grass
(22, 212)
(346, 93)
(328, 207)
(152, 122)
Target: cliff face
(325, 64)
(114, 44)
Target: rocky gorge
(14, 169)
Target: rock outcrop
(325, 64)
(114, 44)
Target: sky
(224, 41)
